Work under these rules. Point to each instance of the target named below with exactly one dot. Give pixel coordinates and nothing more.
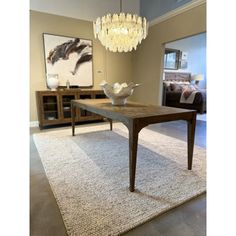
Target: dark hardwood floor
(188, 219)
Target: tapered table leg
(73, 111)
(191, 136)
(110, 120)
(133, 145)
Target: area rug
(89, 176)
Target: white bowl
(118, 93)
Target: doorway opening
(184, 74)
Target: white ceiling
(84, 9)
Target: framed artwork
(171, 59)
(184, 55)
(183, 64)
(183, 60)
(70, 58)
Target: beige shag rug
(89, 176)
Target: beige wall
(114, 66)
(148, 59)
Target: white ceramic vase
(52, 81)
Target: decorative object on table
(70, 58)
(120, 32)
(52, 81)
(197, 78)
(118, 93)
(67, 84)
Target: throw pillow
(176, 87)
(187, 90)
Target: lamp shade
(197, 77)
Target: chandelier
(120, 32)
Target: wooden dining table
(136, 116)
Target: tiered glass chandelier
(120, 32)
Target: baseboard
(34, 124)
(177, 11)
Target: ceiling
(84, 9)
(91, 9)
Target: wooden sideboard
(54, 107)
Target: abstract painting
(70, 58)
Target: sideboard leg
(73, 111)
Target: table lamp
(197, 78)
